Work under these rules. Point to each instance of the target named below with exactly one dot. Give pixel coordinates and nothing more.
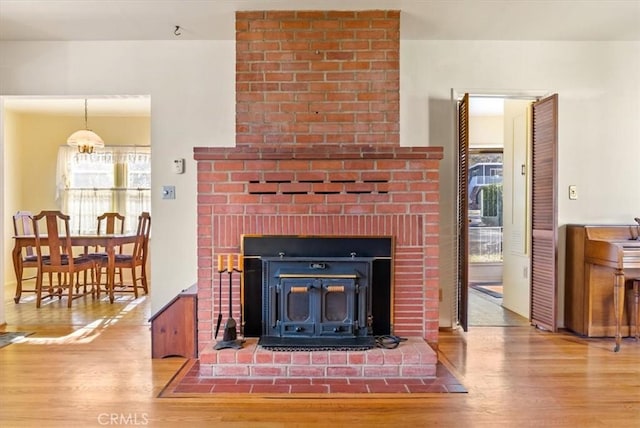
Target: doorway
(496, 184)
(491, 145)
(34, 129)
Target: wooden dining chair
(53, 239)
(135, 261)
(28, 259)
(108, 223)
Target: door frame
(456, 96)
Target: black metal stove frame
(257, 248)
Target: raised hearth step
(413, 358)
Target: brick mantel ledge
(322, 152)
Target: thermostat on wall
(178, 166)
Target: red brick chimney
(317, 153)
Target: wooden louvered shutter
(544, 213)
(463, 213)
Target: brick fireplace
(317, 154)
(359, 191)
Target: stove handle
(272, 310)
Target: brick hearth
(413, 358)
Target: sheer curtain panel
(112, 179)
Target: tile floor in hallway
(487, 311)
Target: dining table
(107, 241)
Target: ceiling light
(85, 139)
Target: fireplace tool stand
(230, 335)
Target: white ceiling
(421, 19)
(68, 20)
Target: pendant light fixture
(85, 139)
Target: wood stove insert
(315, 293)
(323, 300)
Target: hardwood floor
(91, 366)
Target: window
(485, 206)
(114, 179)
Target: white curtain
(113, 179)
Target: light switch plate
(168, 192)
(573, 192)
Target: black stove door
(337, 308)
(298, 306)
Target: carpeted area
(9, 337)
(189, 383)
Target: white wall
(4, 225)
(599, 122)
(485, 131)
(191, 84)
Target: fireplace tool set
(229, 337)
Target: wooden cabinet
(588, 300)
(174, 327)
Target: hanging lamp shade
(85, 139)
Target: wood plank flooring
(91, 366)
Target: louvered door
(544, 213)
(463, 213)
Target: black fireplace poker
(230, 335)
(219, 301)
